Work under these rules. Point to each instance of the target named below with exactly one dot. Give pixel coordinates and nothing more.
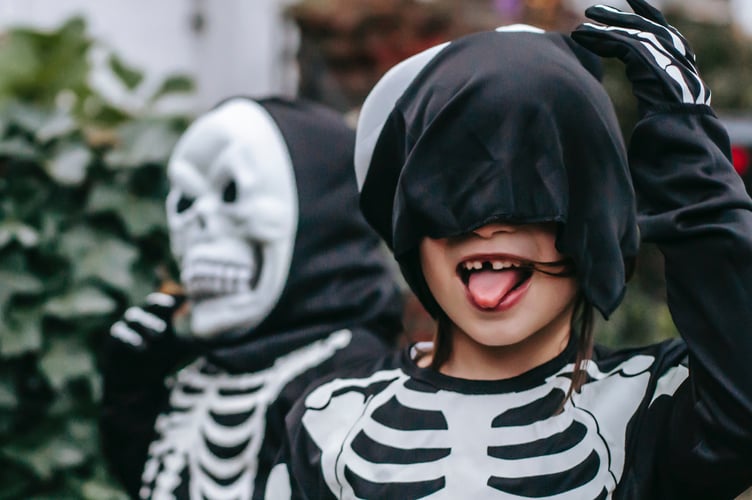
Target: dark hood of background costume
(339, 276)
(499, 126)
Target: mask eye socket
(230, 192)
(184, 203)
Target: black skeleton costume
(445, 142)
(286, 282)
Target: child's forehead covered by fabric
(503, 125)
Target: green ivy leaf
(58, 125)
(84, 432)
(69, 164)
(20, 282)
(20, 332)
(103, 113)
(44, 454)
(101, 485)
(173, 85)
(19, 61)
(108, 198)
(78, 240)
(19, 149)
(66, 360)
(11, 230)
(99, 488)
(27, 117)
(142, 143)
(99, 256)
(110, 261)
(8, 397)
(80, 302)
(47, 62)
(140, 215)
(129, 76)
(144, 217)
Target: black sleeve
(133, 394)
(301, 459)
(285, 439)
(275, 449)
(694, 206)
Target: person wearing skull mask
(494, 168)
(285, 280)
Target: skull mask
(232, 213)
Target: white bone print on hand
(659, 60)
(664, 61)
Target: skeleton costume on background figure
(286, 283)
(444, 142)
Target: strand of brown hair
(582, 324)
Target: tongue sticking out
(487, 288)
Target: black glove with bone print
(143, 343)
(659, 62)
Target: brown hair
(582, 327)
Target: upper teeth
(496, 264)
(214, 278)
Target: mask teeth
(210, 279)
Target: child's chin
(494, 336)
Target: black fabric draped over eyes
(503, 126)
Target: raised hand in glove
(144, 339)
(659, 62)
(150, 324)
(140, 350)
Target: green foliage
(82, 235)
(643, 317)
(37, 65)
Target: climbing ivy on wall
(82, 235)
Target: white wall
(243, 46)
(741, 14)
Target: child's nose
(489, 230)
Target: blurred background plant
(82, 235)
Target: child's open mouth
(492, 281)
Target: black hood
(499, 126)
(339, 276)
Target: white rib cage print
(388, 436)
(215, 426)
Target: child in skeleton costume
(286, 282)
(494, 168)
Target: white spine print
(191, 431)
